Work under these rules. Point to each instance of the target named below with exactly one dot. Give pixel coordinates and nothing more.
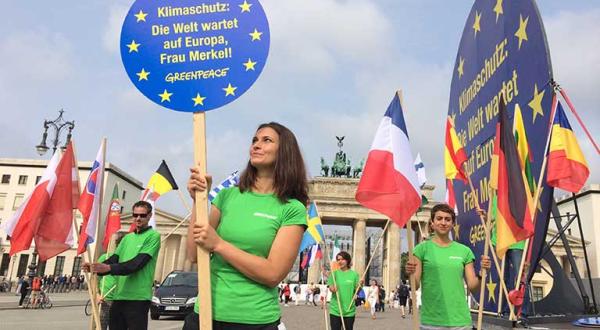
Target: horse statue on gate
(324, 168)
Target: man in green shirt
(133, 264)
(107, 284)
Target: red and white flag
(24, 223)
(89, 202)
(389, 183)
(55, 232)
(450, 196)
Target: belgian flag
(161, 182)
(514, 215)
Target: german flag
(161, 182)
(514, 217)
(454, 154)
(567, 168)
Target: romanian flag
(314, 233)
(454, 154)
(525, 157)
(161, 182)
(514, 217)
(567, 168)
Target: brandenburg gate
(335, 201)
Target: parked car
(175, 296)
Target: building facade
(18, 178)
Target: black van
(175, 296)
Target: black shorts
(403, 301)
(192, 323)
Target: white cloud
(35, 56)
(112, 34)
(312, 37)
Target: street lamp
(58, 124)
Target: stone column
(393, 257)
(181, 252)
(158, 273)
(314, 272)
(358, 245)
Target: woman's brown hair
(289, 177)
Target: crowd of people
(57, 284)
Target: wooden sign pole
(201, 208)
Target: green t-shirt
(347, 282)
(250, 222)
(444, 302)
(138, 285)
(106, 282)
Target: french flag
(389, 183)
(89, 202)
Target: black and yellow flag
(161, 182)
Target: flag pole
(568, 100)
(325, 302)
(527, 249)
(187, 207)
(488, 242)
(95, 312)
(413, 282)
(486, 249)
(201, 208)
(328, 258)
(176, 227)
(96, 315)
(500, 302)
(362, 277)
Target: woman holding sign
(254, 232)
(442, 265)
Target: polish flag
(89, 202)
(450, 196)
(55, 232)
(24, 223)
(389, 183)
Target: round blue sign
(502, 57)
(191, 55)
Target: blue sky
(332, 70)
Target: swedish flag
(314, 233)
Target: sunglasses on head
(139, 215)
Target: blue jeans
(511, 270)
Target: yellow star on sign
(255, 35)
(491, 288)
(498, 9)
(249, 65)
(229, 90)
(143, 75)
(133, 47)
(522, 31)
(165, 96)
(477, 24)
(245, 6)
(456, 232)
(461, 65)
(141, 16)
(198, 100)
(536, 102)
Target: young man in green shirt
(442, 266)
(107, 284)
(133, 263)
